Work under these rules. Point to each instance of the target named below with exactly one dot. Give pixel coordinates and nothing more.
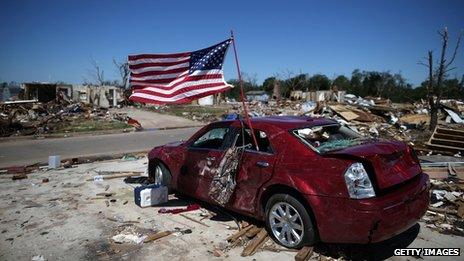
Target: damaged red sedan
(308, 178)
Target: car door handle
(262, 164)
(210, 158)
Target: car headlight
(358, 183)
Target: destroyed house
(45, 92)
(257, 96)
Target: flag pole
(242, 94)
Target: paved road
(20, 152)
(151, 120)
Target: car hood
(393, 162)
(174, 144)
(164, 149)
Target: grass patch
(92, 125)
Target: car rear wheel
(289, 222)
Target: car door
(203, 154)
(255, 169)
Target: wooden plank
(116, 176)
(442, 210)
(443, 147)
(452, 143)
(244, 224)
(253, 231)
(449, 131)
(258, 241)
(448, 137)
(304, 254)
(194, 220)
(240, 233)
(156, 236)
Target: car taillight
(358, 183)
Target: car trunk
(393, 162)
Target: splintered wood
(255, 243)
(254, 238)
(156, 236)
(304, 254)
(240, 233)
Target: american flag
(178, 77)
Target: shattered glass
(328, 138)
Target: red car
(309, 178)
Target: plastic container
(150, 195)
(54, 162)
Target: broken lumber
(460, 211)
(256, 243)
(115, 176)
(237, 235)
(446, 140)
(194, 220)
(252, 232)
(156, 236)
(442, 210)
(304, 254)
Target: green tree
(319, 82)
(268, 84)
(342, 82)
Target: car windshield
(328, 138)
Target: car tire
(161, 175)
(280, 231)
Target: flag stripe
(159, 76)
(144, 65)
(185, 96)
(181, 86)
(159, 60)
(153, 73)
(193, 87)
(155, 56)
(180, 81)
(160, 68)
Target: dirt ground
(65, 219)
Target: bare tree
(96, 73)
(124, 72)
(252, 79)
(292, 81)
(438, 74)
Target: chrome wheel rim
(286, 224)
(158, 175)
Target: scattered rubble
(446, 209)
(32, 117)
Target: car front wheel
(159, 174)
(288, 221)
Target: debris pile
(446, 210)
(374, 117)
(37, 118)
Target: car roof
(288, 122)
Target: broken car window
(261, 137)
(327, 138)
(212, 139)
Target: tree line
(361, 83)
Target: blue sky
(54, 40)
